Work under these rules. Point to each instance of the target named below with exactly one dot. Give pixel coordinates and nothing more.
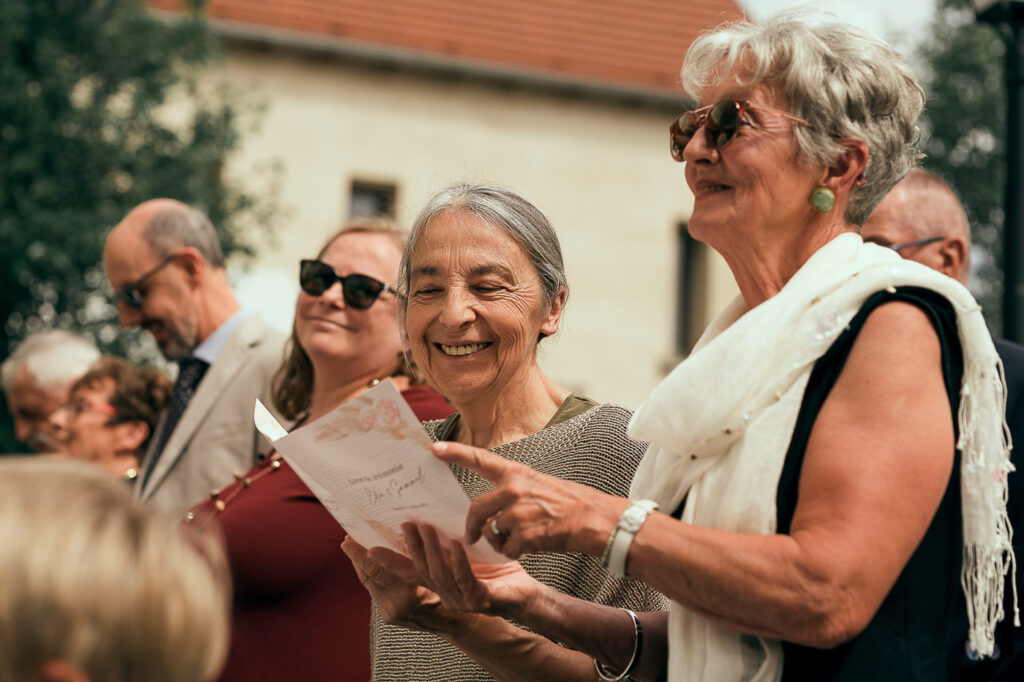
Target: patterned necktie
(190, 373)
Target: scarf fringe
(985, 565)
(982, 577)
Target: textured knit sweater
(591, 448)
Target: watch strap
(622, 537)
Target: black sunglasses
(131, 293)
(720, 121)
(359, 291)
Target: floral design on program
(363, 415)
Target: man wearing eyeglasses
(922, 220)
(167, 271)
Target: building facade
(370, 122)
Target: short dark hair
(140, 393)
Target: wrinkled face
(90, 434)
(32, 408)
(367, 341)
(169, 311)
(475, 310)
(755, 185)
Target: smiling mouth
(332, 323)
(710, 189)
(468, 349)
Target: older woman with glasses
(111, 414)
(299, 611)
(485, 284)
(830, 462)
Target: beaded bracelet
(604, 673)
(608, 548)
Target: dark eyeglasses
(359, 291)
(720, 121)
(917, 242)
(131, 293)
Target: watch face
(632, 518)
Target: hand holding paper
(496, 589)
(369, 462)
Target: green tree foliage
(99, 111)
(964, 132)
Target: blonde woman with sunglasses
(829, 464)
(299, 611)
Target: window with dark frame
(371, 199)
(691, 302)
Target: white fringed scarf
(720, 425)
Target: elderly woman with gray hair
(483, 283)
(830, 462)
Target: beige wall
(600, 171)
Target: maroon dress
(299, 611)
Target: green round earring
(823, 199)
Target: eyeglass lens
(720, 121)
(359, 291)
(132, 294)
(79, 405)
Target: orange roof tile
(638, 44)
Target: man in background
(36, 379)
(167, 270)
(922, 219)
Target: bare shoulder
(886, 427)
(897, 352)
(892, 380)
(900, 328)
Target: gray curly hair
(845, 81)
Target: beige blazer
(215, 436)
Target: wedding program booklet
(369, 462)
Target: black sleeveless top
(906, 639)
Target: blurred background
(283, 119)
